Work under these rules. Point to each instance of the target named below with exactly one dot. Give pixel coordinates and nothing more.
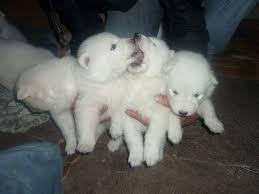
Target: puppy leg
(114, 144)
(207, 112)
(65, 122)
(115, 127)
(86, 119)
(175, 131)
(134, 141)
(154, 141)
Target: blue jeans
(144, 17)
(222, 18)
(31, 169)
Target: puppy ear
(84, 60)
(170, 64)
(23, 93)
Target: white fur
(8, 31)
(51, 86)
(191, 83)
(15, 57)
(143, 83)
(104, 60)
(59, 84)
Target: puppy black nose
(136, 36)
(182, 113)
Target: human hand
(102, 111)
(163, 100)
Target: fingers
(134, 114)
(185, 121)
(162, 99)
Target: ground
(201, 163)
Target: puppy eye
(196, 95)
(113, 47)
(173, 92)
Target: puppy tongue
(138, 55)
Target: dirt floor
(201, 163)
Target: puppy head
(150, 55)
(105, 56)
(32, 93)
(47, 85)
(34, 98)
(190, 80)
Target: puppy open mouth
(138, 54)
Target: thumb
(162, 99)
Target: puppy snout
(136, 36)
(182, 113)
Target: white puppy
(144, 81)
(15, 57)
(191, 83)
(59, 84)
(51, 86)
(8, 31)
(105, 61)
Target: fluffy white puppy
(16, 54)
(51, 86)
(59, 84)
(8, 31)
(191, 83)
(15, 57)
(144, 81)
(105, 61)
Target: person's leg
(79, 17)
(144, 17)
(31, 168)
(184, 25)
(222, 19)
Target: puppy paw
(114, 145)
(70, 147)
(115, 132)
(86, 147)
(175, 136)
(214, 125)
(152, 156)
(135, 159)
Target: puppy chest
(141, 93)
